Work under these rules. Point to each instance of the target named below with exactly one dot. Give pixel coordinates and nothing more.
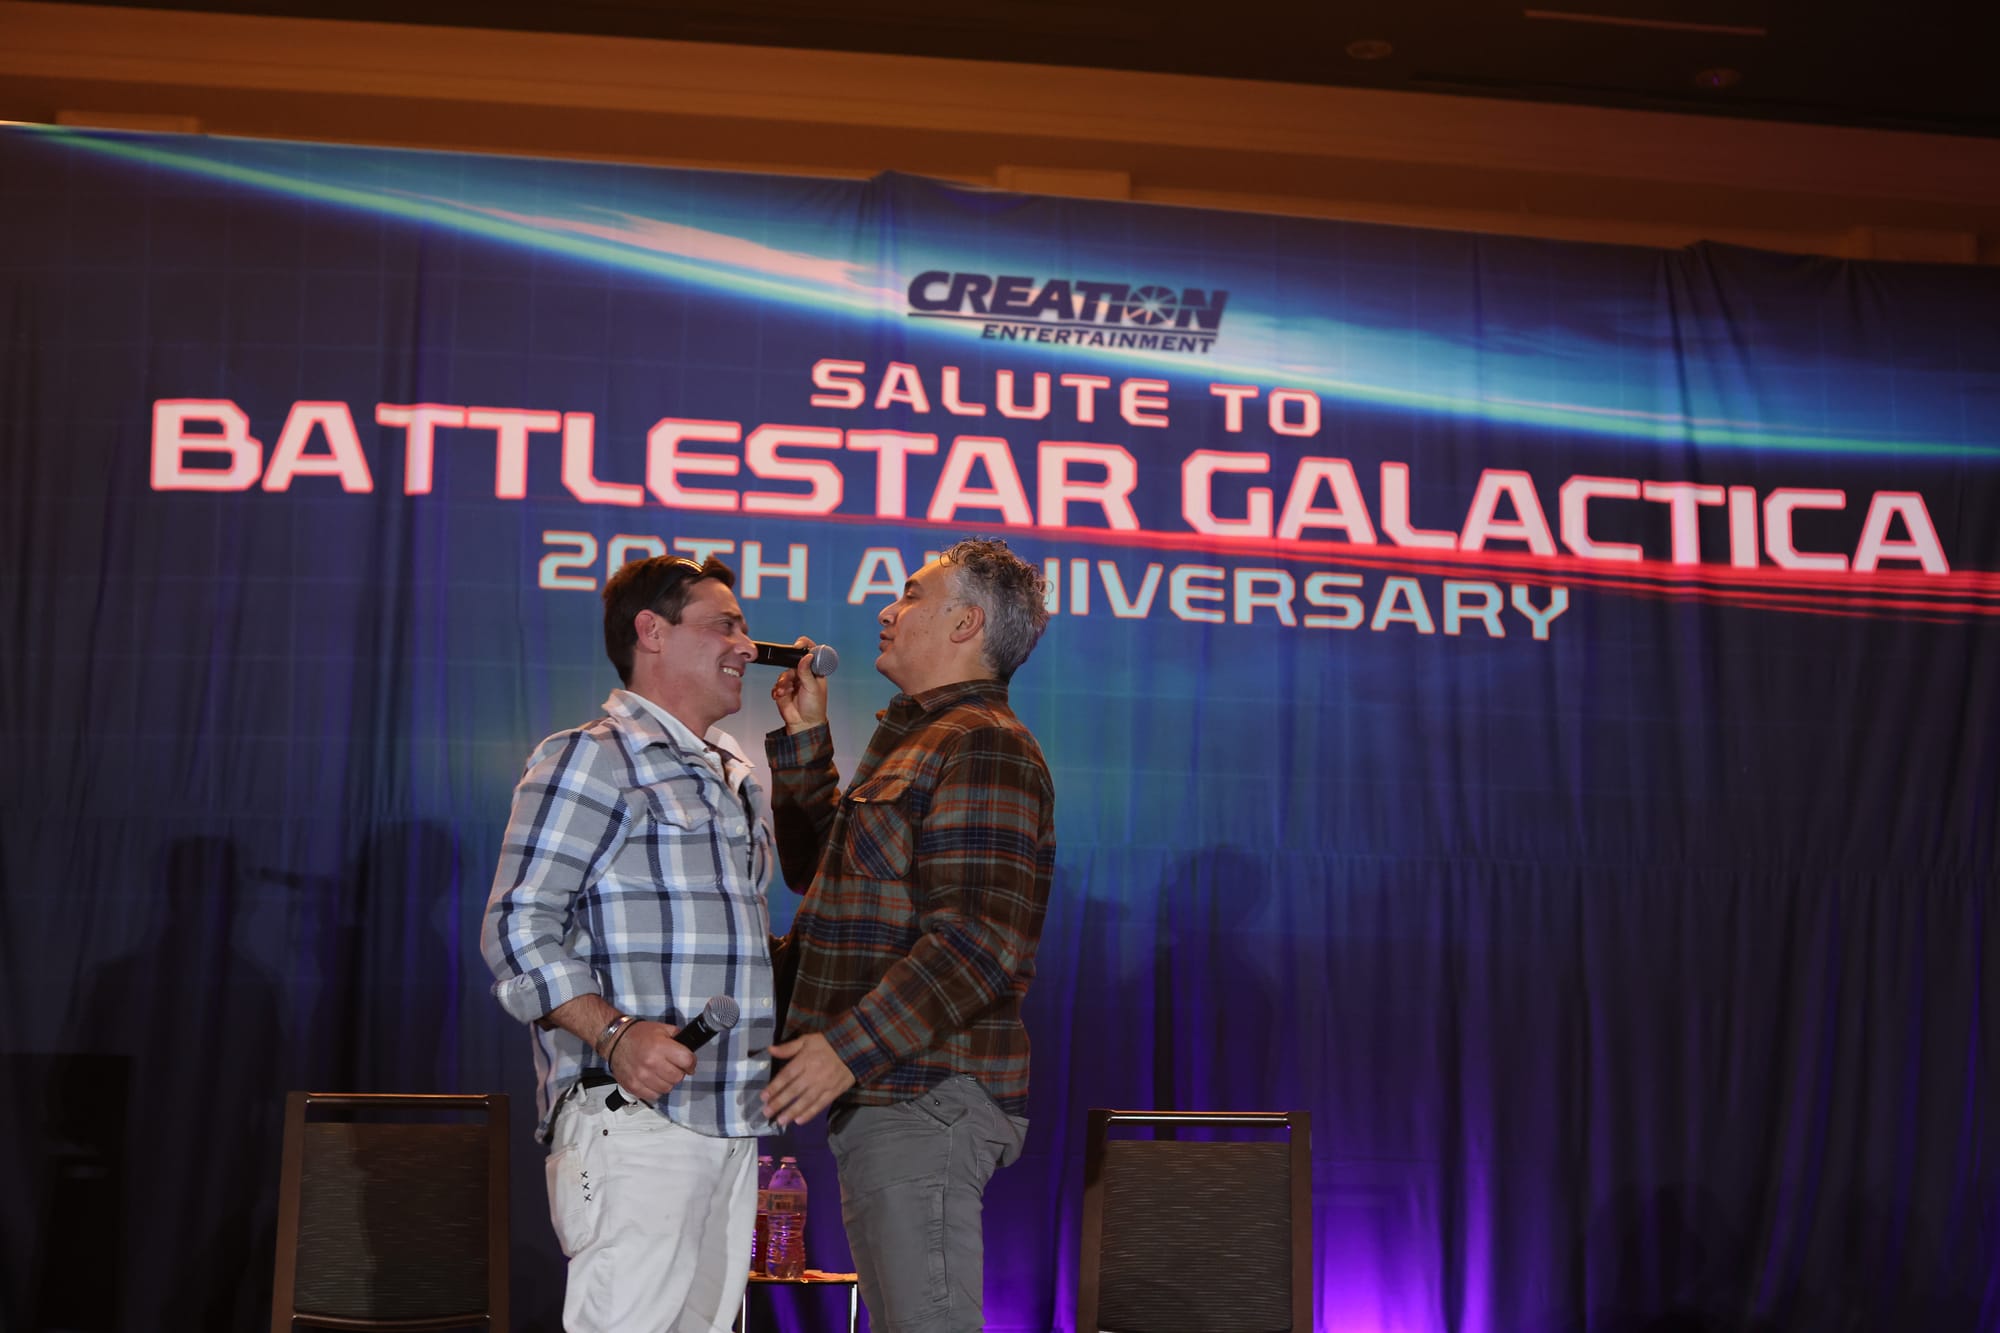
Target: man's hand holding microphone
(800, 693)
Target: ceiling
(1920, 65)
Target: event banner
(1524, 703)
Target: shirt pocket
(881, 832)
(676, 826)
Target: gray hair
(1011, 592)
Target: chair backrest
(1196, 1236)
(395, 1217)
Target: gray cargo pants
(911, 1180)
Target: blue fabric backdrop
(1531, 705)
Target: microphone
(720, 1015)
(825, 661)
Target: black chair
(392, 1223)
(1196, 1236)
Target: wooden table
(812, 1277)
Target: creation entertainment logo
(1068, 312)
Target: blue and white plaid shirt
(634, 867)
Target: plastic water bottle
(760, 1238)
(785, 1233)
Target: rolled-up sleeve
(567, 822)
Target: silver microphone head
(825, 661)
(722, 1013)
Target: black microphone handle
(698, 1033)
(825, 661)
(720, 1014)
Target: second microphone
(717, 1017)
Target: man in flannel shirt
(916, 940)
(630, 890)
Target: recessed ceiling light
(1370, 48)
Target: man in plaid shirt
(916, 940)
(630, 890)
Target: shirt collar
(944, 696)
(650, 724)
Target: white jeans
(655, 1219)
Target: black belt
(601, 1078)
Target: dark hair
(1011, 592)
(660, 585)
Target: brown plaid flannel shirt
(929, 881)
